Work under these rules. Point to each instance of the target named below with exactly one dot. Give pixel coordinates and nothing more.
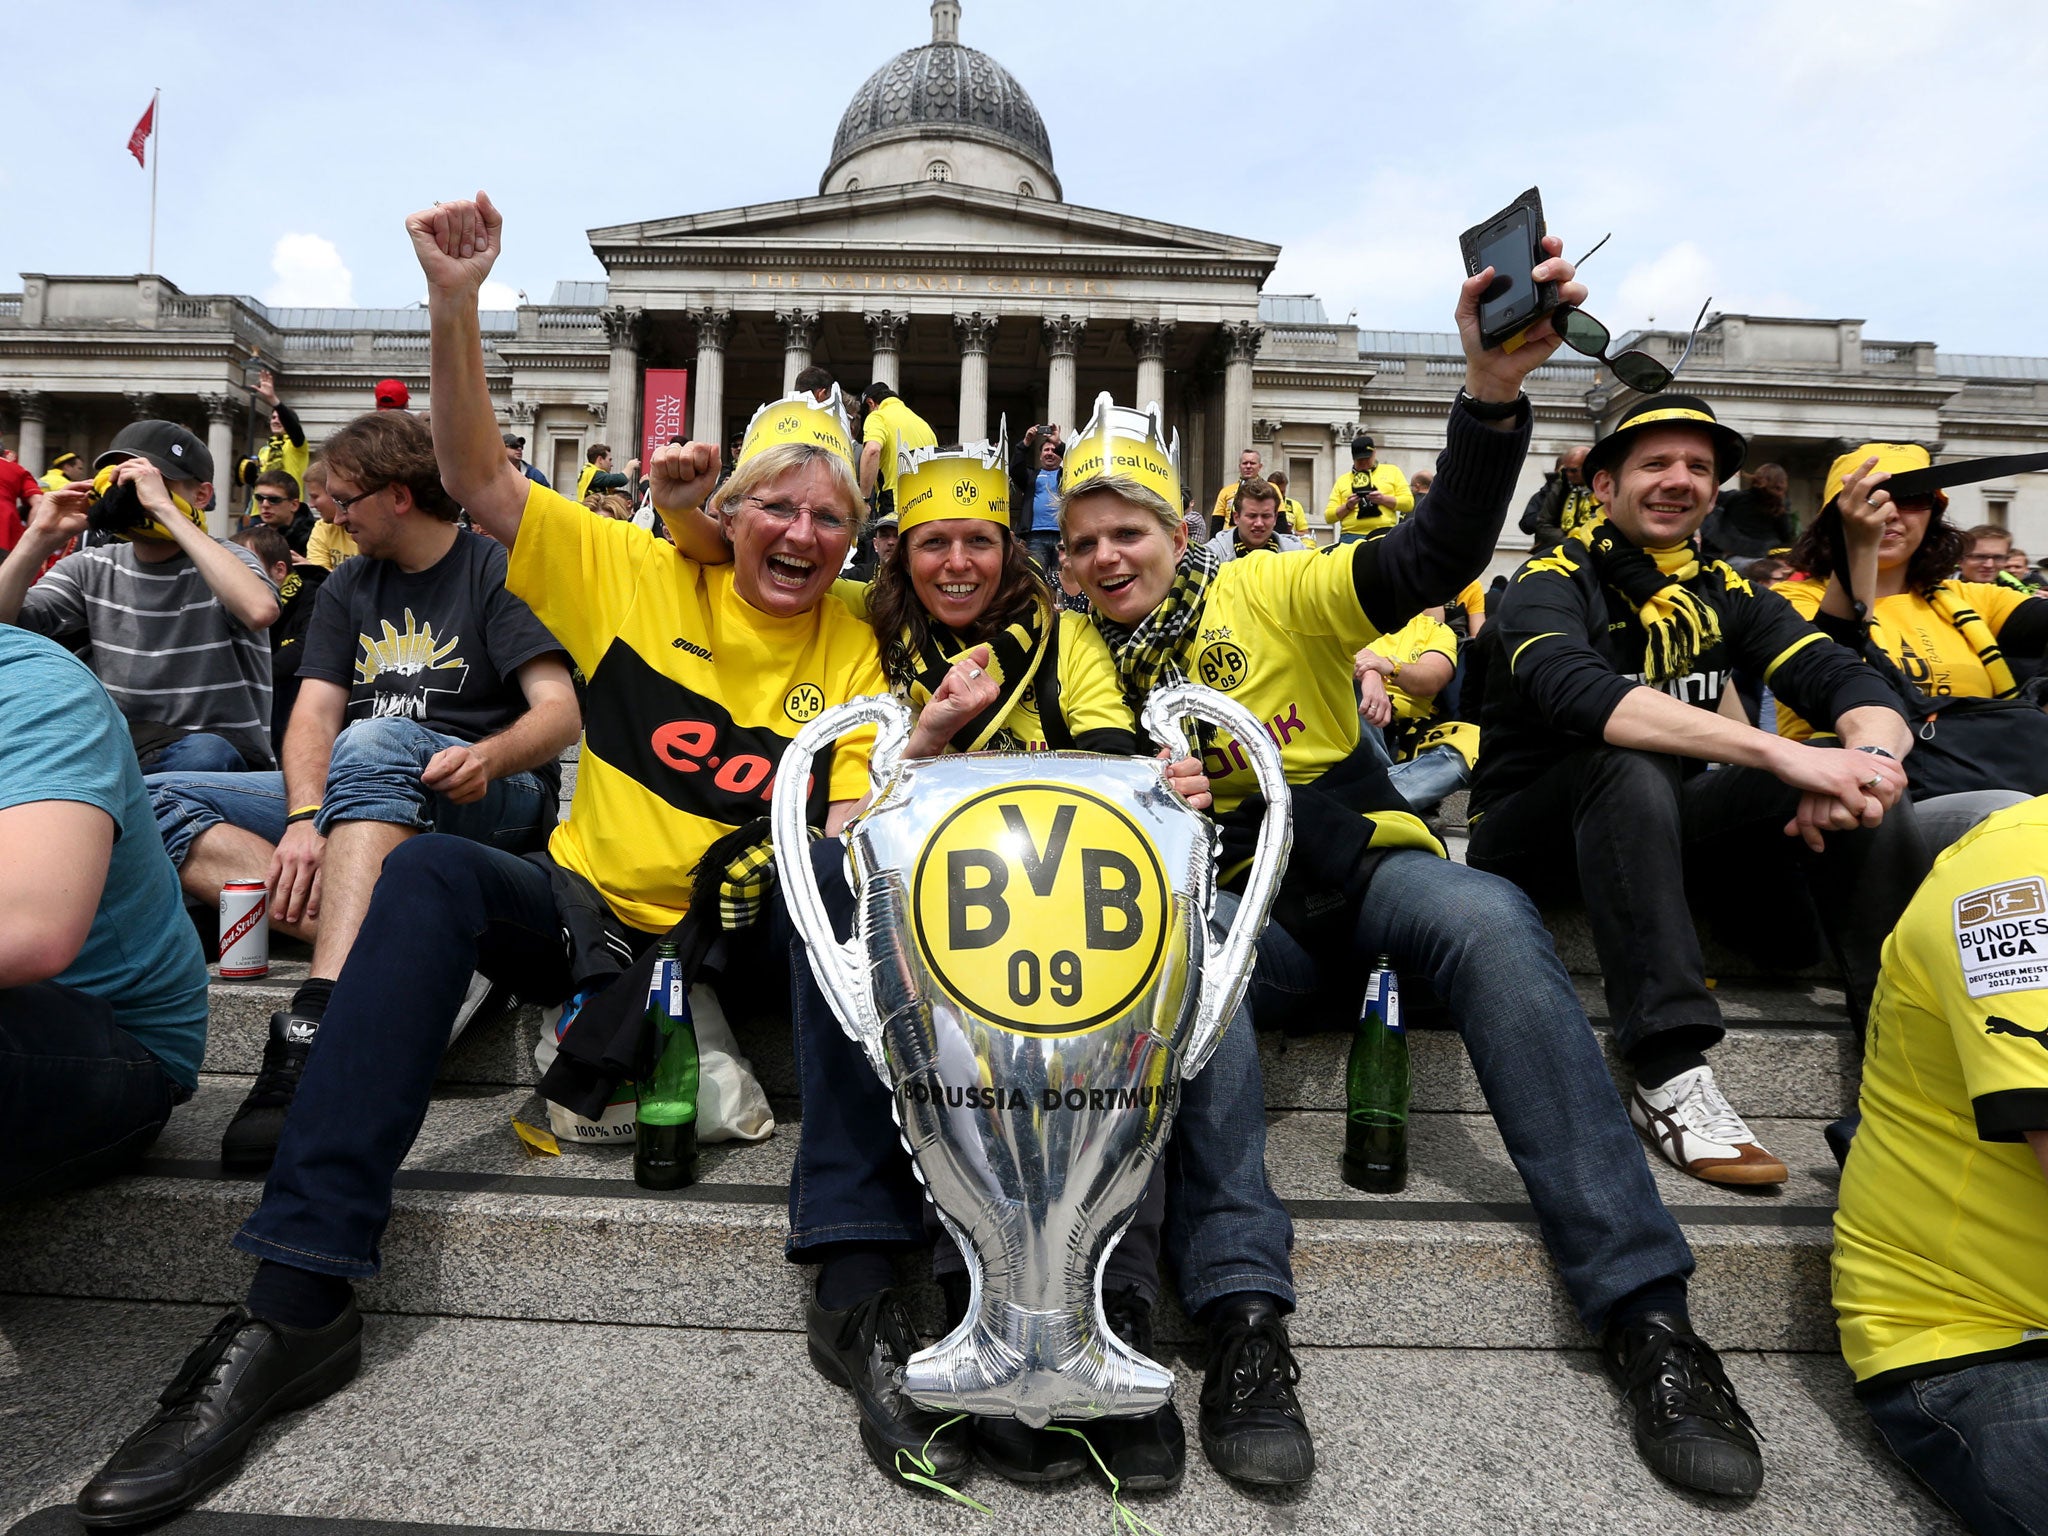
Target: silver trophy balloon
(1034, 975)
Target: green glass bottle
(1376, 1091)
(665, 1133)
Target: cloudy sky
(1878, 159)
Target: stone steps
(1788, 1052)
(482, 1229)
(491, 1425)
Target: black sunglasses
(1638, 370)
(272, 500)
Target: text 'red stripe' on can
(244, 931)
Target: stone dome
(933, 97)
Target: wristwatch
(1490, 410)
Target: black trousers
(1649, 847)
(81, 1098)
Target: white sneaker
(1699, 1132)
(484, 1000)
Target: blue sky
(1879, 159)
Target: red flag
(140, 136)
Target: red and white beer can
(244, 928)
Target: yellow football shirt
(1278, 636)
(1930, 651)
(894, 426)
(1411, 642)
(1387, 480)
(329, 544)
(693, 695)
(1941, 1238)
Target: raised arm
(1429, 558)
(457, 244)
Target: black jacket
(1744, 526)
(1573, 648)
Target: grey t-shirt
(161, 643)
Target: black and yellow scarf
(1947, 600)
(1677, 625)
(1148, 656)
(1240, 549)
(1014, 656)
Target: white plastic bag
(730, 1103)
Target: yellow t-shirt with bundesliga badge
(693, 695)
(1941, 1237)
(1278, 637)
(894, 426)
(1930, 651)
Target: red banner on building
(665, 397)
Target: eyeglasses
(270, 501)
(789, 512)
(1638, 370)
(345, 502)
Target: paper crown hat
(1121, 441)
(972, 480)
(799, 418)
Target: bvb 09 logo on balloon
(1041, 909)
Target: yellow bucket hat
(1892, 459)
(799, 418)
(972, 480)
(1121, 441)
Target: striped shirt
(161, 643)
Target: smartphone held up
(1511, 242)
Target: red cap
(392, 395)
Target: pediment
(928, 216)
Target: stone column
(1241, 341)
(32, 406)
(714, 326)
(975, 332)
(143, 406)
(1062, 340)
(885, 333)
(1149, 340)
(799, 335)
(220, 443)
(626, 329)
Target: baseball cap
(173, 449)
(392, 395)
(514, 440)
(1361, 444)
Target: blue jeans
(374, 775)
(1044, 544)
(1978, 1437)
(80, 1097)
(1225, 1229)
(1479, 942)
(201, 752)
(1428, 776)
(444, 907)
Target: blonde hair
(1125, 488)
(612, 504)
(786, 458)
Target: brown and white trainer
(1699, 1132)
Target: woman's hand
(965, 693)
(1184, 776)
(1865, 506)
(682, 475)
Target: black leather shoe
(1026, 1455)
(246, 1372)
(1688, 1426)
(249, 1144)
(864, 1348)
(1147, 1454)
(1253, 1428)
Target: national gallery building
(940, 255)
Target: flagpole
(156, 123)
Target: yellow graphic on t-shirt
(1222, 666)
(403, 667)
(1041, 909)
